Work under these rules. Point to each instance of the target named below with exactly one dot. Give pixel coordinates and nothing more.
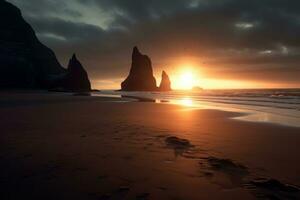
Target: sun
(187, 80)
(186, 75)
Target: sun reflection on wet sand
(248, 112)
(253, 113)
(186, 102)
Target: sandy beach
(149, 100)
(56, 146)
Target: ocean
(280, 106)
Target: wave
(280, 106)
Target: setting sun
(187, 80)
(186, 75)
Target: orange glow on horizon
(205, 83)
(188, 73)
(185, 77)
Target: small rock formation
(197, 88)
(24, 61)
(140, 77)
(165, 84)
(76, 78)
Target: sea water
(280, 106)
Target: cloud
(231, 36)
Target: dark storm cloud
(44, 7)
(238, 34)
(137, 11)
(67, 30)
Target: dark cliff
(24, 61)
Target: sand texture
(55, 146)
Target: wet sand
(55, 146)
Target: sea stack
(76, 78)
(165, 84)
(26, 63)
(140, 77)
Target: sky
(222, 43)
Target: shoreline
(251, 113)
(246, 114)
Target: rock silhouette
(165, 84)
(24, 61)
(76, 78)
(140, 77)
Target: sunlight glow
(186, 102)
(186, 75)
(187, 80)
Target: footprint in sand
(273, 189)
(227, 173)
(180, 146)
(239, 176)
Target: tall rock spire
(140, 77)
